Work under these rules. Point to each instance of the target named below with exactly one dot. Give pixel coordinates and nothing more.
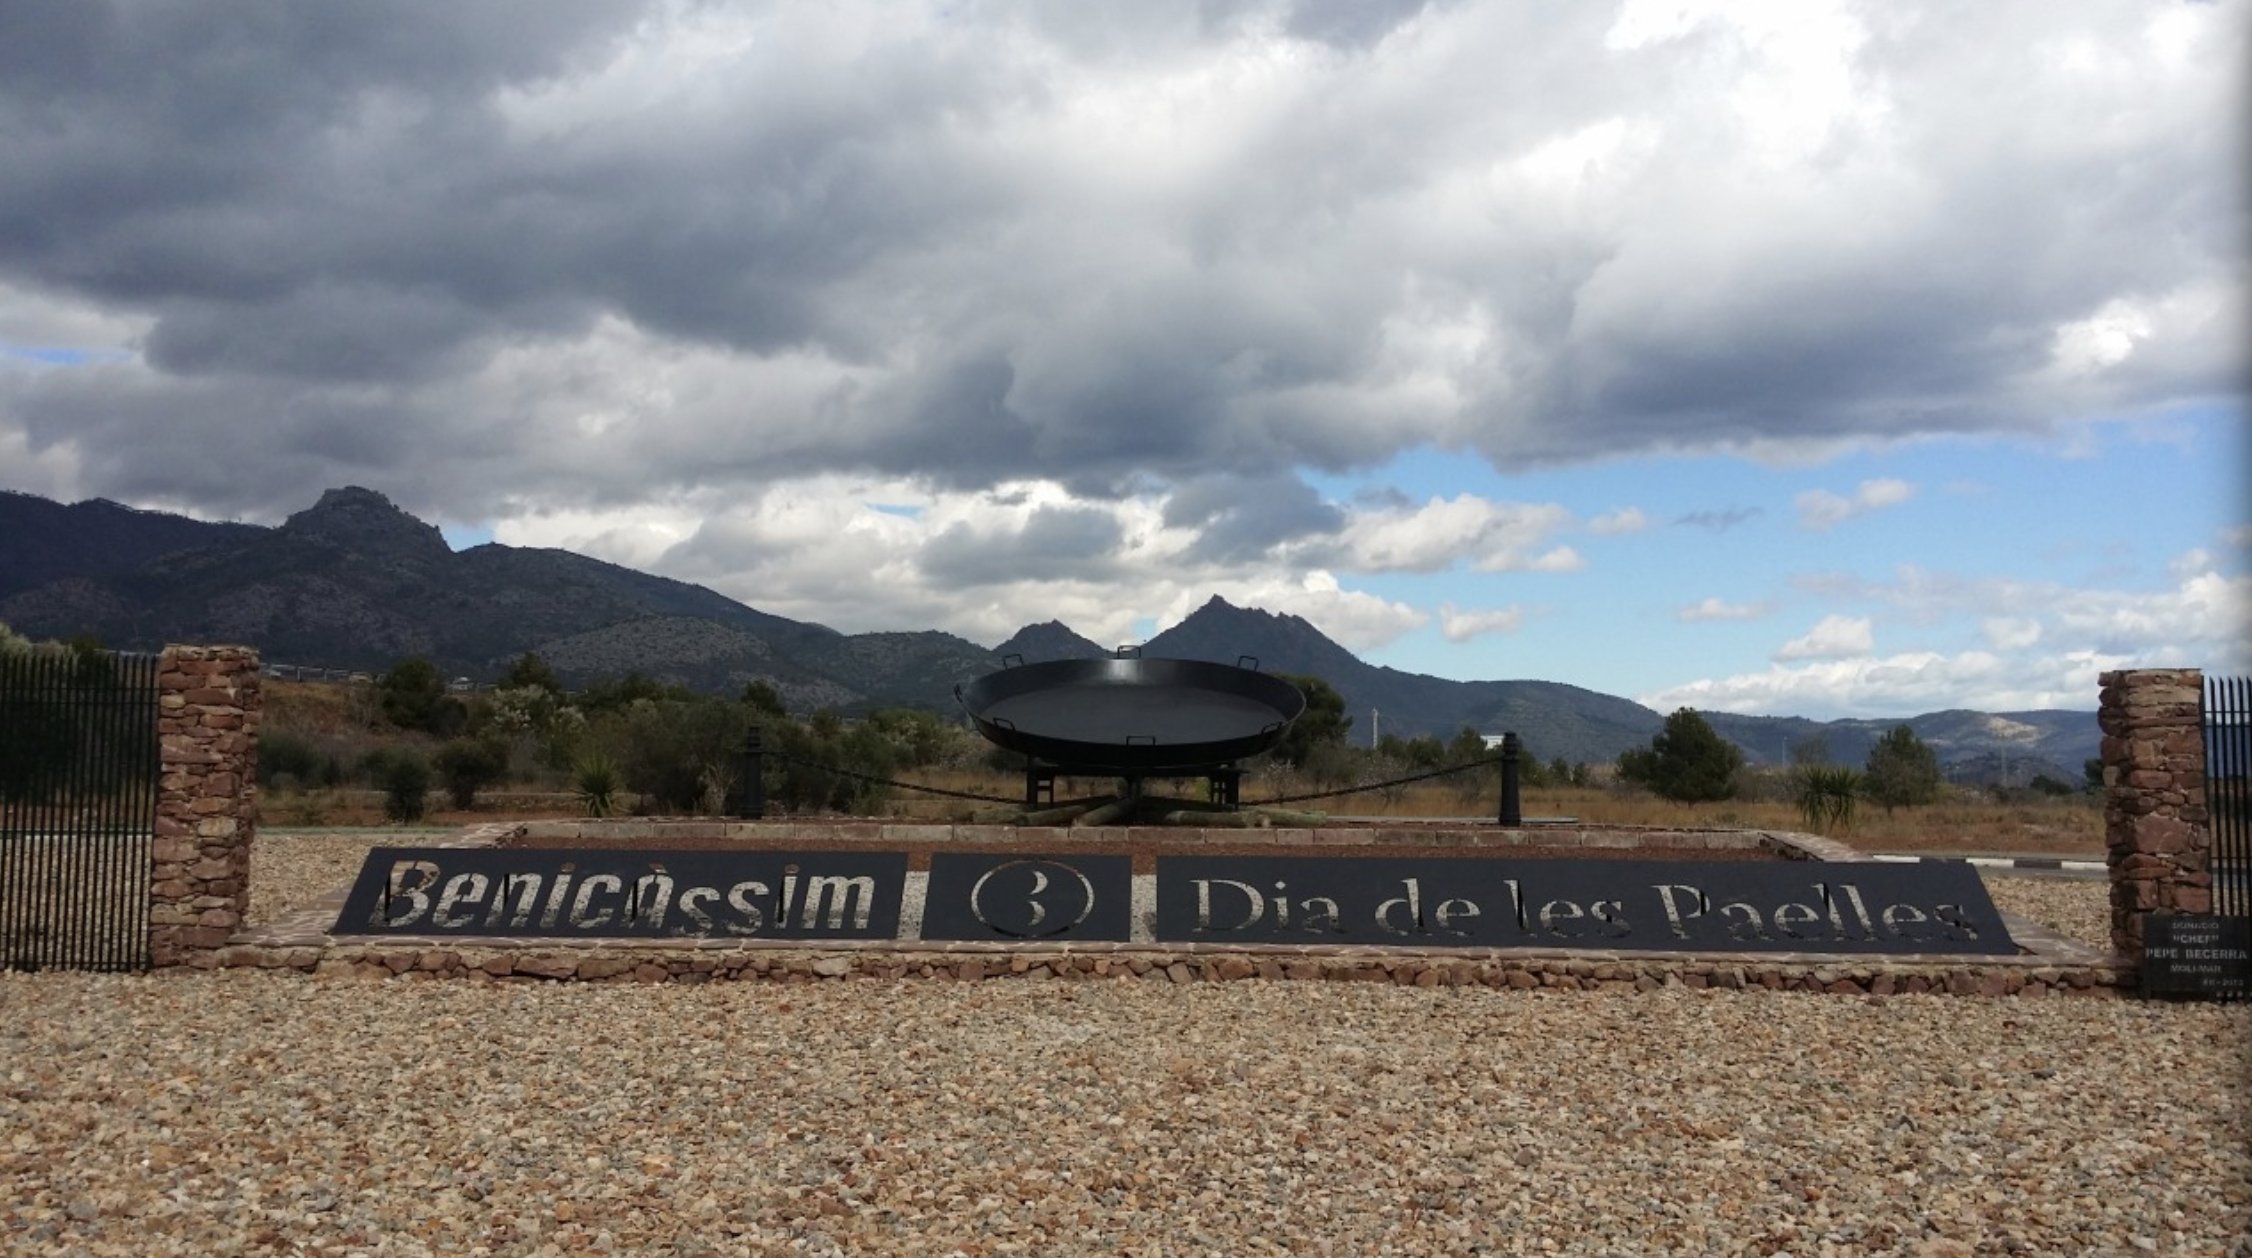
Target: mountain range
(355, 583)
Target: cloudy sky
(1801, 357)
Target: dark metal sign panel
(589, 893)
(1014, 897)
(2197, 954)
(1716, 906)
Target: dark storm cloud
(318, 333)
(1055, 543)
(587, 253)
(228, 150)
(1242, 519)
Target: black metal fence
(78, 784)
(2228, 791)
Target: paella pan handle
(1247, 661)
(1269, 728)
(1012, 660)
(1129, 652)
(1141, 740)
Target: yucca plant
(598, 780)
(1826, 794)
(715, 779)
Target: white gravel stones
(292, 871)
(2076, 908)
(242, 1111)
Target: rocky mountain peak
(1223, 632)
(364, 520)
(1052, 640)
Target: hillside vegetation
(353, 583)
(329, 748)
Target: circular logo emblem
(1032, 899)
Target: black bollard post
(750, 771)
(1512, 811)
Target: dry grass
(317, 709)
(2060, 826)
(2065, 826)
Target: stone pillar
(2157, 843)
(207, 729)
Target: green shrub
(803, 777)
(413, 696)
(672, 748)
(283, 754)
(406, 786)
(469, 765)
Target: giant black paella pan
(1132, 716)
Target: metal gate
(78, 787)
(2228, 791)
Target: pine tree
(1322, 724)
(1686, 762)
(1902, 770)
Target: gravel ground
(2076, 908)
(246, 1112)
(291, 871)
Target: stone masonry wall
(2158, 845)
(208, 706)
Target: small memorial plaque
(1009, 897)
(582, 893)
(2197, 954)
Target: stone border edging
(2050, 864)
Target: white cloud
(1713, 607)
(2108, 340)
(2010, 633)
(634, 537)
(2190, 563)
(1833, 637)
(2101, 340)
(1560, 559)
(1623, 520)
(47, 319)
(1461, 626)
(2204, 615)
(1899, 685)
(1441, 532)
(978, 563)
(2203, 620)
(1820, 509)
(2240, 535)
(2208, 614)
